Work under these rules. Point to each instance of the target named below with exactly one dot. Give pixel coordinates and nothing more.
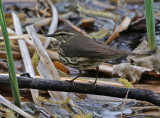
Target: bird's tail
(142, 54)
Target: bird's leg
(80, 73)
(97, 71)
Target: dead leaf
(123, 26)
(128, 71)
(61, 67)
(152, 61)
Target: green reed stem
(150, 23)
(12, 74)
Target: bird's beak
(49, 35)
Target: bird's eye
(61, 34)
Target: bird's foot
(25, 74)
(94, 83)
(71, 81)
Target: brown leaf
(123, 26)
(61, 67)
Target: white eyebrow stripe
(58, 33)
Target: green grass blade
(150, 23)
(13, 78)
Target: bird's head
(62, 35)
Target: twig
(54, 85)
(44, 12)
(124, 104)
(73, 26)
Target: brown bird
(81, 52)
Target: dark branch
(138, 94)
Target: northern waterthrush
(81, 52)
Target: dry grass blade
(74, 26)
(25, 55)
(14, 107)
(54, 23)
(26, 38)
(15, 37)
(42, 22)
(105, 14)
(45, 66)
(10, 32)
(124, 25)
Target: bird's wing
(86, 47)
